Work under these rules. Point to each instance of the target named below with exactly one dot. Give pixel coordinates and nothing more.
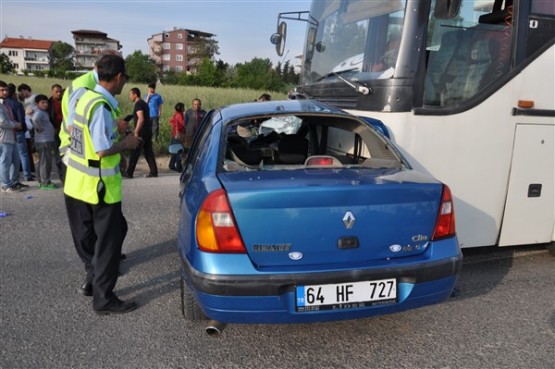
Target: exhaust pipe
(215, 328)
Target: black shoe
(126, 175)
(86, 289)
(116, 306)
(150, 175)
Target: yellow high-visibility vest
(86, 171)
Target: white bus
(466, 88)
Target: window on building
(179, 58)
(179, 46)
(179, 35)
(166, 57)
(166, 35)
(166, 46)
(179, 68)
(165, 68)
(13, 53)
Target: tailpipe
(215, 328)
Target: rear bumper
(276, 284)
(271, 298)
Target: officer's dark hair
(40, 97)
(109, 66)
(3, 84)
(152, 85)
(136, 91)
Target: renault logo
(349, 220)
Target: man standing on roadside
(24, 157)
(56, 117)
(155, 103)
(93, 185)
(193, 117)
(142, 129)
(8, 125)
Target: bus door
(530, 206)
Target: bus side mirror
(279, 37)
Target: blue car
(295, 211)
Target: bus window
(466, 53)
(543, 7)
(541, 25)
(354, 38)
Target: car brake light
(216, 229)
(445, 225)
(319, 161)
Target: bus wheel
(551, 248)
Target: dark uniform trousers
(98, 232)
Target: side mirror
(279, 37)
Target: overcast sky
(242, 27)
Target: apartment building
(178, 50)
(89, 44)
(27, 54)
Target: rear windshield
(289, 142)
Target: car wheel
(551, 248)
(189, 305)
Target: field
(211, 98)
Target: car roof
(292, 107)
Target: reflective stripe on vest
(92, 171)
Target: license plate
(346, 295)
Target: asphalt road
(503, 316)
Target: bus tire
(551, 248)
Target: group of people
(184, 126)
(28, 122)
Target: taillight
(216, 229)
(319, 161)
(445, 224)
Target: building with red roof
(27, 54)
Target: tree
(61, 58)
(201, 46)
(6, 65)
(141, 68)
(258, 74)
(210, 74)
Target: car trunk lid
(329, 217)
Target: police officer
(93, 184)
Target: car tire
(551, 248)
(189, 306)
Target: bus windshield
(356, 39)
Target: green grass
(211, 98)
